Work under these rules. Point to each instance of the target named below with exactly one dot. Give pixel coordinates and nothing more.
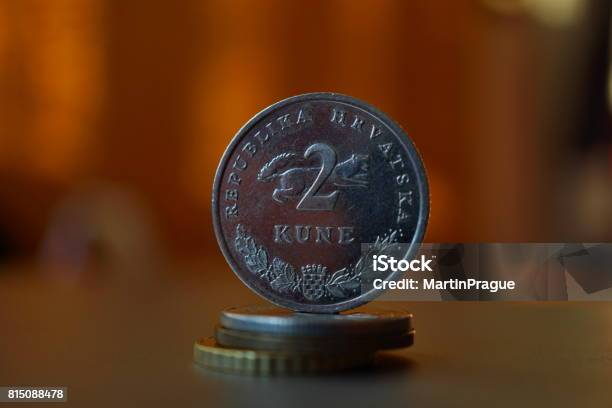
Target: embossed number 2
(311, 200)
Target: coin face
(302, 185)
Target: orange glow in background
(506, 100)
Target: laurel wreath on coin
(312, 282)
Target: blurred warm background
(113, 114)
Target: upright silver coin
(302, 185)
(276, 321)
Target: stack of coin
(269, 340)
(307, 192)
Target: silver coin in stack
(302, 186)
(277, 321)
(330, 344)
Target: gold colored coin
(208, 353)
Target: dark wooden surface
(124, 338)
